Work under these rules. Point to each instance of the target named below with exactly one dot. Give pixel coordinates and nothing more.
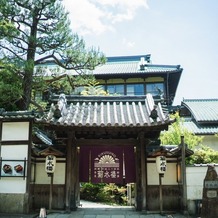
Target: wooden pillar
(141, 174)
(75, 191)
(68, 171)
(184, 183)
(72, 173)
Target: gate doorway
(104, 195)
(106, 174)
(107, 164)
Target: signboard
(50, 162)
(161, 164)
(211, 184)
(211, 193)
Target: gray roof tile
(132, 67)
(16, 114)
(200, 130)
(118, 66)
(203, 110)
(204, 116)
(107, 111)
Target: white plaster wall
(13, 184)
(42, 177)
(170, 177)
(211, 141)
(14, 152)
(195, 179)
(15, 131)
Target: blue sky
(177, 32)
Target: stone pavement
(95, 210)
(111, 213)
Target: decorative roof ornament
(154, 114)
(57, 112)
(62, 102)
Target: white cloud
(99, 16)
(127, 43)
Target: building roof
(203, 110)
(131, 65)
(105, 111)
(18, 115)
(203, 118)
(122, 65)
(200, 129)
(170, 151)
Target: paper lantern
(161, 164)
(50, 162)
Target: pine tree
(42, 33)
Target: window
(135, 89)
(156, 89)
(115, 89)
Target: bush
(105, 193)
(203, 155)
(90, 191)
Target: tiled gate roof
(106, 111)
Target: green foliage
(32, 32)
(10, 87)
(202, 154)
(90, 191)
(176, 130)
(93, 88)
(106, 193)
(7, 29)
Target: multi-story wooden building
(129, 75)
(136, 75)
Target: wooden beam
(99, 142)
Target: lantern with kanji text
(50, 162)
(161, 164)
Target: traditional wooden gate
(107, 128)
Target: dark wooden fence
(171, 198)
(40, 196)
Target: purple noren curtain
(107, 164)
(130, 167)
(84, 164)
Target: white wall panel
(14, 152)
(12, 185)
(42, 177)
(195, 179)
(15, 131)
(170, 177)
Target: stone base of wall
(14, 203)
